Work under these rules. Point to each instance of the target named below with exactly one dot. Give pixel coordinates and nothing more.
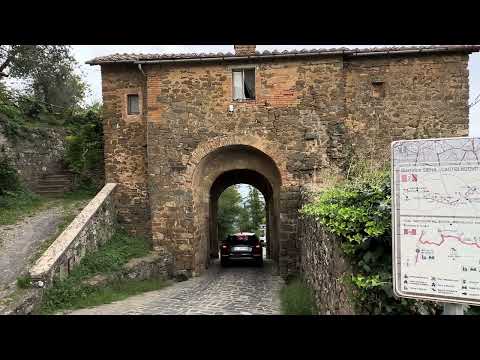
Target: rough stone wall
(92, 227)
(188, 107)
(38, 155)
(323, 266)
(308, 115)
(125, 146)
(415, 97)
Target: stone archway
(219, 169)
(261, 183)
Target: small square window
(243, 84)
(133, 105)
(378, 90)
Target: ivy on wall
(358, 212)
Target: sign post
(436, 221)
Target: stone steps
(55, 184)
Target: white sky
(92, 73)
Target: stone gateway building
(180, 129)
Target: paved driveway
(236, 290)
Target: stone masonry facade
(311, 114)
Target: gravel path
(19, 242)
(236, 290)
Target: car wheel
(224, 262)
(259, 263)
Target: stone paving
(236, 290)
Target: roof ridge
(132, 58)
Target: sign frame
(396, 238)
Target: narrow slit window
(243, 84)
(133, 104)
(378, 89)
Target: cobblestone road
(236, 290)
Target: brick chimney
(242, 50)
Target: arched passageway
(224, 167)
(234, 177)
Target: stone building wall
(414, 97)
(125, 147)
(309, 116)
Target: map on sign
(436, 219)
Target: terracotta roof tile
(136, 58)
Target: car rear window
(242, 239)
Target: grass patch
(72, 293)
(86, 296)
(79, 195)
(18, 205)
(24, 282)
(297, 298)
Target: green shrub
(9, 181)
(84, 153)
(297, 298)
(24, 282)
(358, 211)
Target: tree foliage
(244, 219)
(229, 208)
(359, 213)
(48, 71)
(256, 209)
(235, 215)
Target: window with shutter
(243, 84)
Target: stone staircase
(55, 184)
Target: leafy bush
(15, 200)
(358, 211)
(9, 181)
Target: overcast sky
(93, 78)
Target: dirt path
(21, 240)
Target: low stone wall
(156, 265)
(92, 227)
(323, 266)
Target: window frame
(242, 69)
(129, 96)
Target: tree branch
(8, 60)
